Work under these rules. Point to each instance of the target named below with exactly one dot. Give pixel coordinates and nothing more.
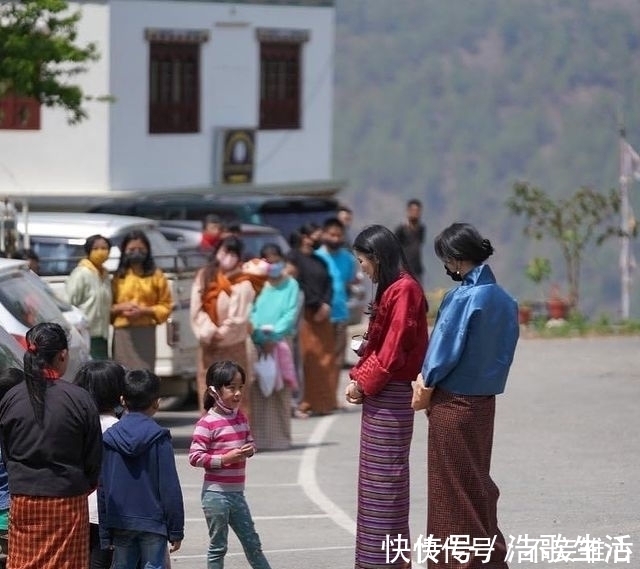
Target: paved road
(566, 458)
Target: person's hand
(248, 450)
(175, 545)
(133, 311)
(233, 456)
(353, 393)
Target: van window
(60, 256)
(27, 302)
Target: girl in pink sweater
(221, 443)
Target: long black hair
(462, 242)
(148, 265)
(380, 246)
(44, 342)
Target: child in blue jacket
(139, 496)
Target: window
(174, 80)
(280, 78)
(19, 113)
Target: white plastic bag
(266, 370)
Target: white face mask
(216, 396)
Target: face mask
(332, 246)
(98, 256)
(454, 276)
(227, 261)
(316, 245)
(135, 257)
(216, 396)
(276, 270)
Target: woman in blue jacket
(467, 363)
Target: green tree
(38, 53)
(571, 222)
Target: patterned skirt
(462, 497)
(48, 533)
(383, 478)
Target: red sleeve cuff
(370, 375)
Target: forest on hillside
(452, 102)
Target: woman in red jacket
(391, 357)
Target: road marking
(272, 518)
(308, 482)
(291, 550)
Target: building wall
(229, 94)
(113, 149)
(60, 157)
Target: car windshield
(27, 302)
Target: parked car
(58, 239)
(186, 235)
(24, 303)
(285, 213)
(11, 352)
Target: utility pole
(626, 172)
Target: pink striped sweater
(216, 434)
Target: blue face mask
(276, 270)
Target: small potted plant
(557, 306)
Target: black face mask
(454, 276)
(136, 257)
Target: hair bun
(488, 248)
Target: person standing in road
(89, 288)
(140, 502)
(221, 444)
(316, 337)
(390, 358)
(343, 271)
(467, 363)
(221, 299)
(104, 381)
(52, 448)
(273, 319)
(412, 234)
(141, 301)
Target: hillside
(451, 102)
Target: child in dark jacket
(139, 496)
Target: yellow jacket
(152, 291)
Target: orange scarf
(223, 283)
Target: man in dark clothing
(139, 498)
(412, 234)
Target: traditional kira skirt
(383, 477)
(135, 347)
(48, 533)
(462, 497)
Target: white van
(58, 239)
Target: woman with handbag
(390, 358)
(466, 366)
(273, 320)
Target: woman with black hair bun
(466, 366)
(141, 301)
(52, 448)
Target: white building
(183, 74)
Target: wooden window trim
(280, 85)
(19, 113)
